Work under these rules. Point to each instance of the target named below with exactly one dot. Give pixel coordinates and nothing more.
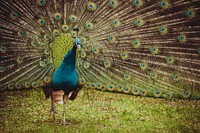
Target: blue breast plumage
(65, 77)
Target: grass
(95, 111)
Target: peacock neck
(70, 57)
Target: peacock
(148, 48)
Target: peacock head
(77, 41)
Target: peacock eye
(65, 28)
(41, 2)
(83, 54)
(127, 76)
(3, 87)
(136, 2)
(182, 38)
(186, 94)
(21, 34)
(138, 22)
(41, 22)
(170, 60)
(136, 43)
(143, 66)
(73, 18)
(34, 43)
(107, 64)
(89, 26)
(18, 85)
(153, 75)
(14, 15)
(154, 50)
(57, 16)
(164, 4)
(56, 32)
(3, 49)
(86, 64)
(73, 33)
(46, 37)
(116, 22)
(120, 88)
(2, 69)
(20, 59)
(91, 6)
(190, 12)
(198, 50)
(113, 3)
(124, 55)
(157, 92)
(42, 63)
(163, 30)
(110, 87)
(34, 84)
(93, 85)
(111, 38)
(95, 50)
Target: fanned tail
(139, 47)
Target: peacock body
(137, 47)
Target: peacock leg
(64, 110)
(52, 110)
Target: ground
(96, 111)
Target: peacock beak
(79, 47)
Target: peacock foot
(53, 113)
(64, 122)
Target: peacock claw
(64, 122)
(52, 112)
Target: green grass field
(95, 111)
